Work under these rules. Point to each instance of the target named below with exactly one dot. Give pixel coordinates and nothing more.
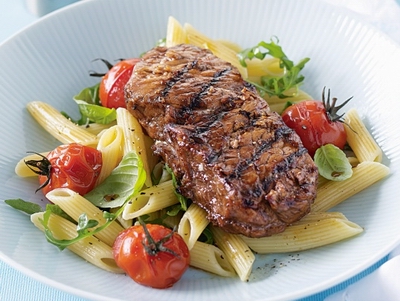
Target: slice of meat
(233, 156)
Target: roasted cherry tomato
(73, 166)
(317, 123)
(111, 90)
(151, 255)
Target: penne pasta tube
(236, 250)
(268, 66)
(332, 193)
(61, 128)
(219, 49)
(192, 224)
(359, 138)
(135, 140)
(211, 259)
(150, 200)
(22, 170)
(97, 128)
(75, 205)
(306, 234)
(111, 151)
(89, 248)
(175, 33)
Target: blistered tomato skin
(155, 263)
(73, 166)
(311, 122)
(111, 90)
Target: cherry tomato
(316, 123)
(111, 90)
(152, 255)
(73, 166)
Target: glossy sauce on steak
(234, 157)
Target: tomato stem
(151, 246)
(107, 63)
(331, 108)
(41, 167)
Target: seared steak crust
(234, 157)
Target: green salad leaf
(275, 86)
(123, 182)
(182, 200)
(332, 163)
(24, 206)
(88, 102)
(85, 227)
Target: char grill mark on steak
(196, 100)
(281, 167)
(171, 82)
(233, 156)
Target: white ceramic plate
(49, 61)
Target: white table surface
(14, 17)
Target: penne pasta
(135, 140)
(236, 250)
(219, 49)
(97, 128)
(359, 138)
(316, 230)
(89, 248)
(332, 193)
(61, 128)
(150, 200)
(111, 150)
(211, 259)
(175, 33)
(192, 224)
(74, 205)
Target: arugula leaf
(88, 102)
(123, 182)
(274, 86)
(85, 224)
(24, 206)
(85, 227)
(332, 163)
(32, 208)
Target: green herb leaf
(85, 228)
(275, 86)
(332, 163)
(85, 224)
(24, 206)
(206, 236)
(123, 182)
(53, 208)
(182, 200)
(96, 113)
(90, 108)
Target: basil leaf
(24, 206)
(90, 108)
(96, 113)
(332, 163)
(123, 182)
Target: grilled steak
(233, 156)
